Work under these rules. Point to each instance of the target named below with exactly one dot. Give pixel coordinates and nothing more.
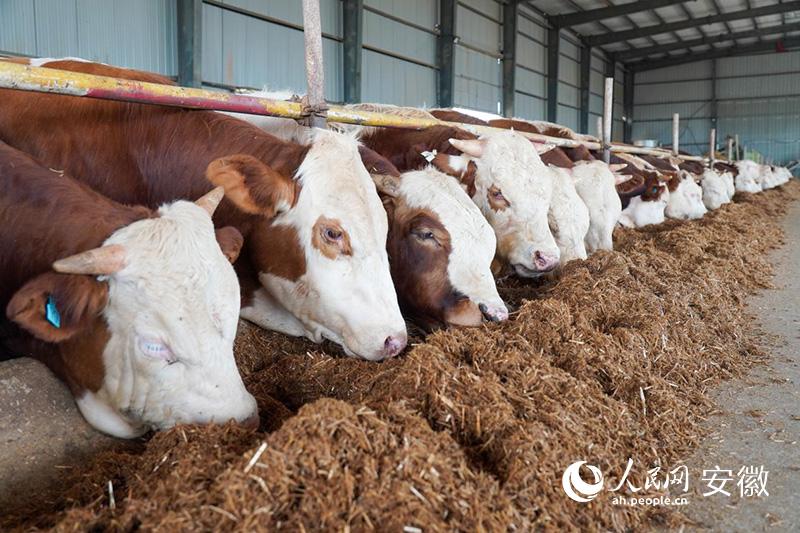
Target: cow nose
(493, 313)
(251, 422)
(393, 345)
(544, 262)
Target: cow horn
(97, 261)
(616, 167)
(471, 147)
(210, 200)
(386, 184)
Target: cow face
(512, 187)
(160, 319)
(685, 198)
(323, 263)
(441, 249)
(647, 207)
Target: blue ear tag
(51, 313)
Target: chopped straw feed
(471, 428)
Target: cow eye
(498, 195)
(333, 234)
(425, 235)
(655, 190)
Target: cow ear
(55, 307)
(251, 185)
(468, 178)
(230, 242)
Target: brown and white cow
(644, 198)
(440, 245)
(314, 261)
(502, 175)
(685, 193)
(139, 310)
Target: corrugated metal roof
(763, 32)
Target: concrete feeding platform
(42, 433)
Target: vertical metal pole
(608, 108)
(553, 46)
(190, 42)
(600, 128)
(446, 52)
(739, 153)
(315, 72)
(585, 83)
(712, 148)
(627, 98)
(730, 148)
(352, 37)
(509, 57)
(676, 133)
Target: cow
(314, 262)
(592, 181)
(134, 309)
(503, 176)
(685, 194)
(440, 245)
(644, 198)
(748, 178)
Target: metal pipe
(608, 108)
(738, 148)
(315, 71)
(676, 133)
(712, 151)
(599, 127)
(730, 148)
(48, 80)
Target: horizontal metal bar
(401, 57)
(48, 80)
(399, 20)
(593, 15)
(265, 18)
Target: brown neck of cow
(403, 148)
(138, 154)
(66, 216)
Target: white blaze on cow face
(715, 190)
(640, 213)
(568, 217)
(513, 189)
(595, 184)
(172, 313)
(472, 239)
(346, 293)
(749, 177)
(686, 201)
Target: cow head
(145, 324)
(506, 178)
(324, 259)
(646, 203)
(685, 197)
(440, 249)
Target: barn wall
(259, 43)
(757, 97)
(91, 29)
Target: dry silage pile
(472, 428)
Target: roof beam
(730, 51)
(636, 33)
(721, 38)
(593, 15)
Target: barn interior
(679, 348)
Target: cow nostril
(393, 346)
(488, 314)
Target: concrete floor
(759, 416)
